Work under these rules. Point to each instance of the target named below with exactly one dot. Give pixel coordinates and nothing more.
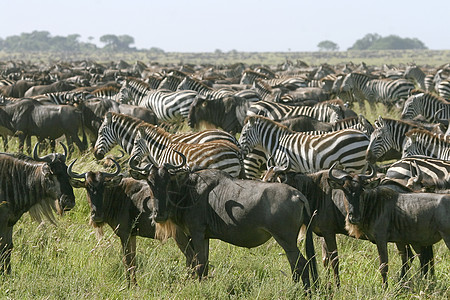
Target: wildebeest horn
(336, 179)
(65, 149)
(71, 173)
(372, 174)
(174, 167)
(134, 165)
(106, 174)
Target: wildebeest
(383, 215)
(211, 204)
(39, 185)
(31, 118)
(124, 204)
(328, 207)
(59, 86)
(227, 113)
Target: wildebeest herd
(271, 150)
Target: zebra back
(306, 153)
(428, 105)
(429, 173)
(159, 146)
(278, 111)
(423, 142)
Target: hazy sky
(242, 25)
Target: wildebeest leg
(81, 146)
(22, 138)
(407, 257)
(6, 244)
(129, 258)
(185, 245)
(28, 140)
(426, 258)
(201, 249)
(330, 246)
(383, 254)
(296, 260)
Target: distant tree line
(43, 41)
(37, 41)
(374, 41)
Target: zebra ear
(108, 117)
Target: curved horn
(173, 167)
(134, 165)
(72, 174)
(336, 179)
(35, 153)
(372, 174)
(106, 174)
(65, 149)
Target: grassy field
(68, 261)
(374, 58)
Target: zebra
(66, 97)
(249, 77)
(277, 111)
(154, 81)
(122, 129)
(443, 89)
(107, 92)
(255, 161)
(386, 91)
(422, 80)
(133, 90)
(425, 143)
(418, 173)
(388, 134)
(167, 105)
(266, 92)
(170, 82)
(189, 83)
(158, 146)
(428, 105)
(305, 153)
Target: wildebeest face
(353, 188)
(57, 182)
(158, 180)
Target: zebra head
(140, 147)
(348, 84)
(413, 106)
(250, 134)
(381, 140)
(106, 137)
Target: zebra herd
(250, 113)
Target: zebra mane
(258, 74)
(426, 135)
(260, 82)
(433, 97)
(390, 121)
(127, 118)
(105, 90)
(152, 130)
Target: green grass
(67, 261)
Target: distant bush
(392, 42)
